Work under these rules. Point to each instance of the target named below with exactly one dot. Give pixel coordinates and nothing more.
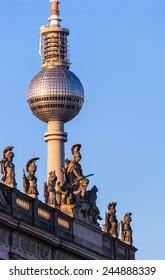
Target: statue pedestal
(88, 236)
(67, 209)
(33, 195)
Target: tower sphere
(55, 94)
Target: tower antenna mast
(54, 17)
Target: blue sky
(117, 49)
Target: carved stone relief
(4, 238)
(30, 249)
(59, 255)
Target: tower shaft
(55, 137)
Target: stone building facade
(32, 230)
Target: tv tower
(55, 95)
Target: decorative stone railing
(34, 211)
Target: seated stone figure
(79, 194)
(73, 183)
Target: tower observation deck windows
(56, 98)
(54, 48)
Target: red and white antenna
(54, 17)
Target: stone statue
(111, 222)
(93, 212)
(62, 191)
(8, 168)
(112, 208)
(74, 171)
(72, 187)
(49, 189)
(79, 193)
(30, 182)
(72, 196)
(126, 230)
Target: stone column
(55, 137)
